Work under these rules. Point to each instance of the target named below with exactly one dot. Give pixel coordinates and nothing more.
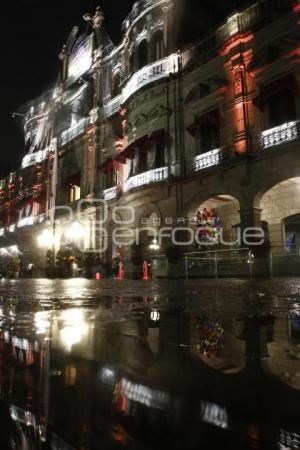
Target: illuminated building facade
(166, 129)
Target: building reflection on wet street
(202, 367)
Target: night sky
(32, 35)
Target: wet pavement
(194, 364)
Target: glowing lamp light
(46, 239)
(75, 232)
(154, 245)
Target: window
(143, 159)
(158, 46)
(280, 108)
(142, 54)
(207, 136)
(110, 175)
(160, 160)
(115, 85)
(74, 193)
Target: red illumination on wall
(241, 38)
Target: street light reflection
(42, 324)
(76, 289)
(214, 414)
(74, 329)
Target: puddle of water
(196, 369)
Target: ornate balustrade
(24, 222)
(241, 22)
(152, 176)
(208, 159)
(148, 74)
(111, 193)
(112, 107)
(74, 131)
(34, 158)
(278, 135)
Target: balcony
(29, 221)
(111, 193)
(74, 131)
(279, 135)
(148, 74)
(152, 176)
(112, 107)
(208, 159)
(34, 158)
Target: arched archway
(280, 209)
(219, 218)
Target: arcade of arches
(276, 209)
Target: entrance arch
(280, 209)
(219, 214)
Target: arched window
(158, 45)
(142, 54)
(115, 85)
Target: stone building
(151, 133)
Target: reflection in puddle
(74, 327)
(116, 372)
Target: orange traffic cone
(121, 274)
(145, 271)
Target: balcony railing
(241, 22)
(111, 193)
(113, 106)
(148, 74)
(208, 159)
(284, 133)
(74, 131)
(28, 222)
(34, 158)
(152, 176)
